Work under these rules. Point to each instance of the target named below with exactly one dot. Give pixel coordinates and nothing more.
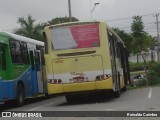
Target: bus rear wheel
(69, 98)
(20, 95)
(118, 92)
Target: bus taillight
(55, 81)
(102, 77)
(59, 81)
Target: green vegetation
(138, 41)
(59, 20)
(154, 73)
(29, 28)
(136, 87)
(127, 38)
(136, 66)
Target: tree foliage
(29, 28)
(59, 20)
(127, 38)
(141, 40)
(138, 40)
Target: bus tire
(124, 89)
(118, 92)
(47, 96)
(70, 99)
(20, 95)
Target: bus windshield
(72, 37)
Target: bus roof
(119, 39)
(21, 38)
(71, 23)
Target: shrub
(141, 82)
(153, 74)
(136, 66)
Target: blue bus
(21, 68)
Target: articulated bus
(21, 68)
(83, 57)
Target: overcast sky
(107, 10)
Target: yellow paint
(75, 87)
(104, 84)
(79, 87)
(100, 60)
(55, 88)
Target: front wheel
(20, 95)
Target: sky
(116, 13)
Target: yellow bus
(84, 57)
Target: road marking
(112, 109)
(150, 93)
(43, 105)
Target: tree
(141, 40)
(127, 38)
(28, 28)
(59, 20)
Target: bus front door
(39, 72)
(1, 87)
(2, 69)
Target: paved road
(145, 99)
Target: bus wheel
(124, 89)
(118, 92)
(70, 99)
(47, 96)
(20, 95)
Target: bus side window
(42, 56)
(16, 52)
(3, 58)
(37, 61)
(25, 56)
(32, 59)
(46, 43)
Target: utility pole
(157, 23)
(69, 8)
(158, 39)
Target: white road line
(150, 93)
(121, 108)
(43, 106)
(112, 109)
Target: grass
(132, 88)
(137, 72)
(137, 87)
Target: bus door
(2, 69)
(33, 72)
(39, 71)
(1, 87)
(113, 60)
